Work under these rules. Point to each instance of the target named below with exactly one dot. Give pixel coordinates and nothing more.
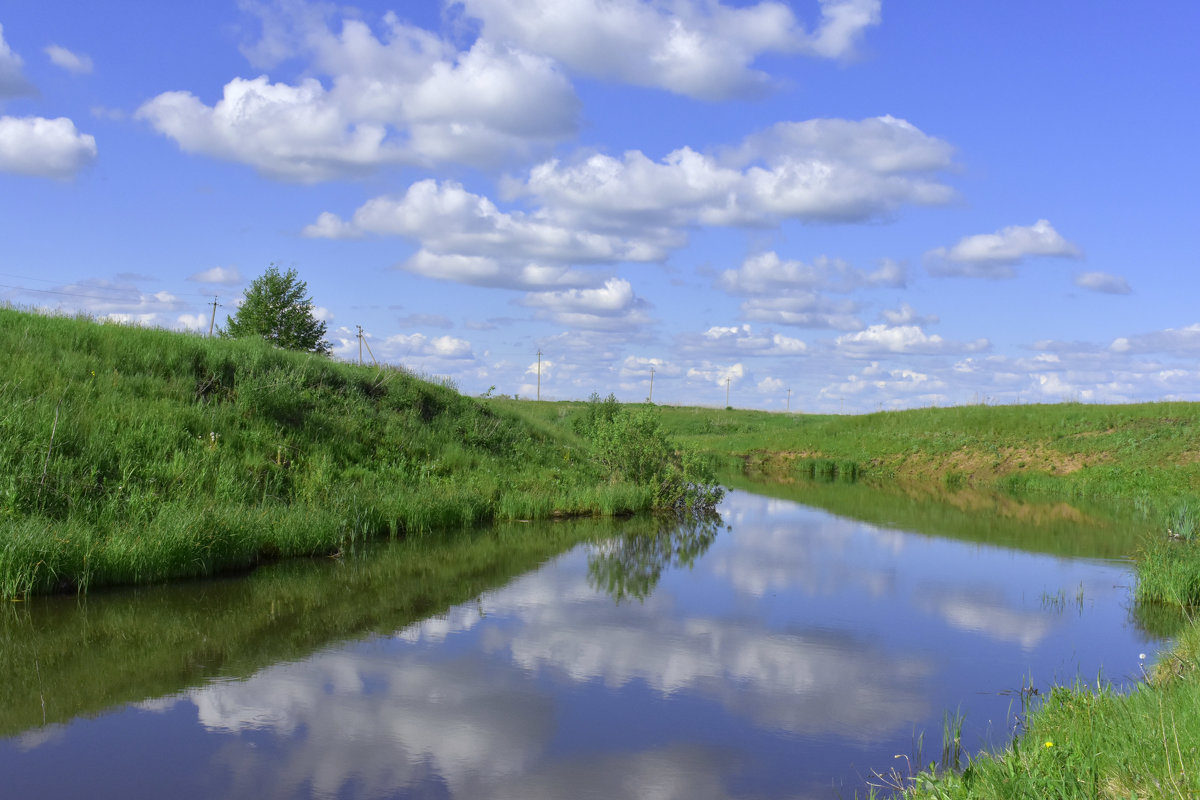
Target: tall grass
(130, 455)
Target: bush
(630, 444)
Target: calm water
(785, 653)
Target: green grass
(132, 456)
(1089, 741)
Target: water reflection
(785, 655)
(630, 566)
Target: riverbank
(1142, 461)
(1083, 740)
(135, 456)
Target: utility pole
(727, 392)
(650, 399)
(212, 322)
(362, 340)
(539, 389)
(789, 400)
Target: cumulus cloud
(896, 387)
(907, 315)
(47, 148)
(193, 322)
(803, 310)
(224, 276)
(993, 255)
(1176, 341)
(640, 367)
(447, 218)
(117, 299)
(12, 81)
(741, 340)
(611, 306)
(1102, 282)
(768, 274)
(829, 170)
(700, 49)
(717, 374)
(911, 339)
(78, 63)
(403, 96)
(415, 349)
(605, 210)
(466, 238)
(493, 272)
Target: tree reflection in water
(631, 565)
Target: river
(783, 652)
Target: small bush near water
(131, 455)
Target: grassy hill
(130, 455)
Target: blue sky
(872, 204)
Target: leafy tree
(277, 309)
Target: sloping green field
(130, 456)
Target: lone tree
(277, 309)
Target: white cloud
(118, 300)
(768, 274)
(12, 82)
(823, 170)
(193, 322)
(78, 63)
(895, 387)
(605, 210)
(47, 148)
(804, 310)
(286, 132)
(907, 315)
(614, 305)
(1103, 282)
(402, 97)
(719, 375)
(1176, 341)
(492, 272)
(415, 349)
(225, 276)
(742, 341)
(684, 186)
(640, 366)
(700, 49)
(446, 218)
(879, 339)
(465, 238)
(993, 255)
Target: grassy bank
(133, 456)
(1139, 463)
